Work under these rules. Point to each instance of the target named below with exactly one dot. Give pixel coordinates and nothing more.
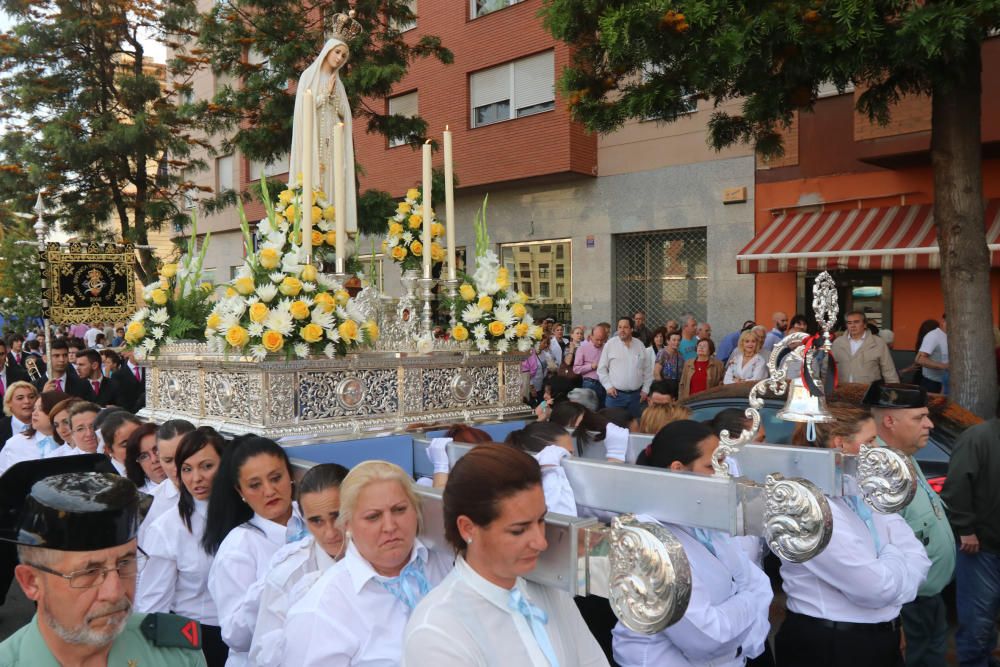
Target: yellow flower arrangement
(168, 270)
(467, 291)
(289, 286)
(286, 197)
(437, 252)
(404, 234)
(415, 221)
(317, 215)
(398, 253)
(160, 297)
(348, 330)
(269, 258)
(437, 229)
(134, 332)
(309, 273)
(244, 286)
(299, 310)
(259, 312)
(317, 238)
(519, 310)
(417, 248)
(460, 333)
(329, 214)
(395, 228)
(213, 322)
(272, 340)
(342, 296)
(237, 336)
(312, 333)
(521, 329)
(485, 303)
(331, 238)
(324, 302)
(403, 208)
(496, 328)
(413, 193)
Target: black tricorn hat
(69, 504)
(894, 395)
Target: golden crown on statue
(344, 27)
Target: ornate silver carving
(650, 583)
(462, 386)
(887, 479)
(347, 394)
(350, 392)
(797, 519)
(441, 387)
(729, 446)
(451, 291)
(427, 313)
(180, 390)
(233, 395)
(826, 305)
(281, 398)
(512, 384)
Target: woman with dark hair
(669, 364)
(914, 374)
(703, 372)
(297, 566)
(355, 614)
(116, 427)
(37, 441)
(142, 463)
(852, 426)
(176, 577)
(437, 451)
(62, 431)
(250, 516)
(726, 620)
(484, 613)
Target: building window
(403, 26)
(512, 90)
(546, 300)
(559, 252)
(867, 291)
(366, 267)
(402, 105)
(560, 271)
(689, 98)
(275, 167)
(224, 173)
(255, 57)
(483, 7)
(664, 273)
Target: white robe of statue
(330, 107)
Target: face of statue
(336, 57)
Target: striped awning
(878, 239)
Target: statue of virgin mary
(330, 106)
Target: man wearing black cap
(901, 417)
(76, 538)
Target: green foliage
(20, 277)
(640, 58)
(86, 121)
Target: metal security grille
(663, 273)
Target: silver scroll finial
(650, 583)
(728, 446)
(887, 479)
(826, 307)
(797, 519)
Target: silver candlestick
(451, 290)
(427, 295)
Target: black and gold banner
(87, 282)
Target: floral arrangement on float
(488, 312)
(176, 304)
(278, 304)
(403, 242)
(324, 234)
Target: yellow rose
(519, 311)
(290, 286)
(502, 282)
(415, 221)
(437, 229)
(309, 273)
(164, 284)
(521, 329)
(437, 252)
(269, 258)
(331, 238)
(237, 336)
(311, 333)
(403, 208)
(342, 297)
(291, 212)
(259, 312)
(372, 329)
(467, 291)
(496, 328)
(159, 297)
(272, 340)
(317, 238)
(230, 292)
(412, 193)
(135, 332)
(299, 310)
(286, 196)
(168, 270)
(536, 332)
(324, 302)
(213, 321)
(244, 285)
(317, 214)
(348, 330)
(503, 273)
(460, 333)
(417, 248)
(206, 286)
(521, 297)
(395, 229)
(485, 303)
(329, 213)
(398, 253)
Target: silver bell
(801, 406)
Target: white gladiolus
(267, 292)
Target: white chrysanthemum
(157, 333)
(139, 353)
(280, 321)
(479, 331)
(159, 316)
(325, 225)
(276, 276)
(407, 237)
(325, 320)
(482, 344)
(504, 315)
(330, 350)
(258, 352)
(392, 241)
(308, 287)
(528, 319)
(327, 281)
(228, 321)
(267, 292)
(149, 344)
(301, 350)
(523, 344)
(399, 217)
(509, 333)
(284, 305)
(354, 311)
(252, 299)
(140, 315)
(425, 344)
(502, 303)
(256, 329)
(472, 314)
(520, 297)
(333, 335)
(503, 346)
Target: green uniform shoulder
(151, 640)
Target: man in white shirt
(625, 370)
(90, 338)
(932, 357)
(861, 355)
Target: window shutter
(404, 105)
(224, 169)
(490, 86)
(534, 80)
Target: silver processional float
(779, 495)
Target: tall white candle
(449, 204)
(339, 197)
(427, 180)
(308, 145)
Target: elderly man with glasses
(862, 356)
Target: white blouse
(118, 466)
(726, 620)
(149, 487)
(293, 571)
(237, 577)
(349, 618)
(165, 498)
(176, 577)
(738, 370)
(64, 449)
(852, 580)
(559, 496)
(466, 621)
(22, 447)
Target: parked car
(950, 420)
